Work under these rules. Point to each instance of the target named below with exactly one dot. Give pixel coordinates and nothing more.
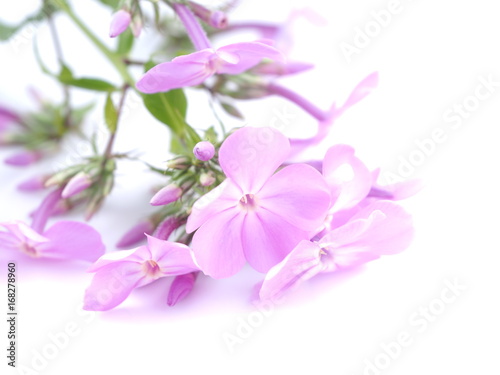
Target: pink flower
(64, 240)
(255, 215)
(118, 273)
(195, 68)
(119, 23)
(204, 151)
(383, 228)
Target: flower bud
(77, 184)
(207, 179)
(24, 158)
(168, 194)
(119, 23)
(135, 234)
(180, 163)
(181, 287)
(204, 151)
(166, 228)
(33, 184)
(136, 26)
(215, 19)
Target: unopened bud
(78, 183)
(23, 158)
(180, 163)
(204, 151)
(168, 194)
(119, 23)
(33, 184)
(135, 234)
(207, 179)
(216, 19)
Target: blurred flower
(63, 240)
(118, 273)
(383, 228)
(253, 215)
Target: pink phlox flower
(256, 215)
(118, 273)
(382, 228)
(195, 68)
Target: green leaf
(111, 3)
(7, 31)
(169, 108)
(231, 110)
(66, 75)
(110, 114)
(94, 84)
(125, 42)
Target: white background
(430, 57)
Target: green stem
(112, 57)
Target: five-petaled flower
(118, 273)
(256, 215)
(195, 68)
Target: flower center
(248, 201)
(151, 268)
(28, 250)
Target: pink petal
(137, 255)
(268, 238)
(349, 179)
(221, 198)
(382, 228)
(397, 191)
(248, 55)
(172, 257)
(217, 245)
(250, 156)
(362, 89)
(72, 240)
(183, 71)
(181, 287)
(301, 264)
(299, 194)
(111, 285)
